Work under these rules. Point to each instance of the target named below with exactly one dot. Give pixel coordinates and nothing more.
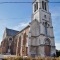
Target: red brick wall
(24, 48)
(19, 46)
(4, 46)
(14, 46)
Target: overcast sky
(17, 16)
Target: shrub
(4, 59)
(18, 58)
(27, 58)
(30, 58)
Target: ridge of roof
(11, 32)
(11, 29)
(23, 29)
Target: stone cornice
(41, 45)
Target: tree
(57, 53)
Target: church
(36, 39)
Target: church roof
(11, 32)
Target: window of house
(45, 16)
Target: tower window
(47, 42)
(44, 5)
(46, 28)
(45, 16)
(35, 6)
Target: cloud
(56, 14)
(55, 11)
(56, 22)
(20, 26)
(58, 45)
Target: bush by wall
(30, 58)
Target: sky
(17, 16)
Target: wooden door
(47, 50)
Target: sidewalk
(1, 56)
(5, 56)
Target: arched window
(46, 28)
(24, 39)
(10, 39)
(20, 40)
(35, 6)
(19, 46)
(47, 41)
(44, 6)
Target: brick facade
(4, 46)
(18, 43)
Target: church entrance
(47, 47)
(47, 50)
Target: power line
(14, 18)
(24, 2)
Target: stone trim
(42, 45)
(44, 11)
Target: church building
(36, 39)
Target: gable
(35, 28)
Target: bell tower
(39, 7)
(41, 39)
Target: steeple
(42, 36)
(40, 4)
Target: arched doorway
(47, 47)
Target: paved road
(1, 56)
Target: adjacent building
(36, 39)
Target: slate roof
(11, 32)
